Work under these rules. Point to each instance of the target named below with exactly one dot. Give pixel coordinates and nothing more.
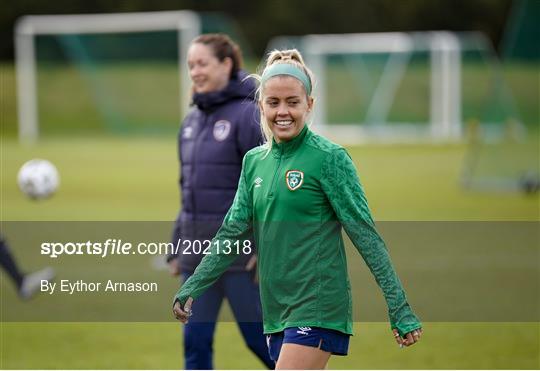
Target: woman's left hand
(409, 339)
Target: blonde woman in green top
(295, 194)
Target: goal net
(122, 72)
(384, 86)
(428, 87)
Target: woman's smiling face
(285, 106)
(206, 71)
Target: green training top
(294, 200)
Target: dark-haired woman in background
(221, 127)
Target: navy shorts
(331, 341)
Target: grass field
(157, 346)
(133, 178)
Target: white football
(38, 179)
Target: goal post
(27, 28)
(444, 50)
(428, 87)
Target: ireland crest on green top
(294, 179)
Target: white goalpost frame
(445, 94)
(187, 23)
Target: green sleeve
(342, 186)
(236, 228)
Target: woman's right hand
(174, 267)
(251, 266)
(182, 314)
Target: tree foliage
(259, 20)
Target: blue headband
(287, 69)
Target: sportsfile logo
(303, 330)
(258, 182)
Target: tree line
(260, 20)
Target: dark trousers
(8, 263)
(243, 297)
